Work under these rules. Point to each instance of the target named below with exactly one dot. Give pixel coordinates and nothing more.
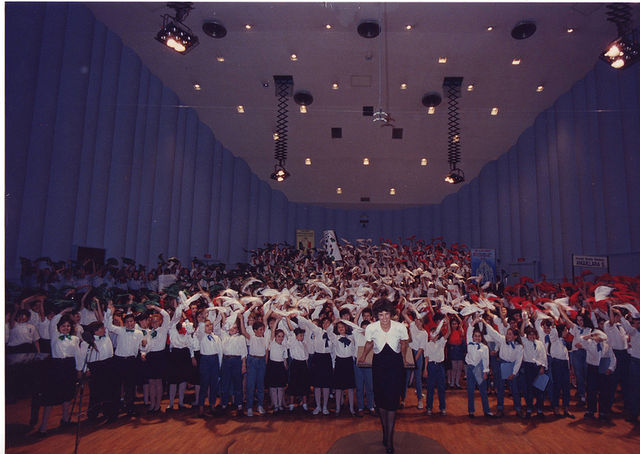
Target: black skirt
(276, 375)
(298, 378)
(321, 370)
(60, 385)
(343, 374)
(388, 378)
(155, 366)
(179, 367)
(195, 370)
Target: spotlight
(455, 176)
(623, 52)
(280, 173)
(174, 33)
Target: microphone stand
(81, 385)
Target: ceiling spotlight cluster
(174, 33)
(625, 49)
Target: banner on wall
(330, 244)
(305, 239)
(483, 263)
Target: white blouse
(397, 332)
(278, 352)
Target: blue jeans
(579, 363)
(255, 380)
(471, 386)
(417, 374)
(364, 384)
(209, 374)
(435, 379)
(232, 380)
(560, 377)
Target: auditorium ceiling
(369, 72)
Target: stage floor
(298, 433)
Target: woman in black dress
(388, 339)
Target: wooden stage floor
(298, 433)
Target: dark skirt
(60, 385)
(456, 352)
(45, 345)
(298, 378)
(276, 375)
(388, 378)
(195, 370)
(155, 365)
(343, 374)
(321, 370)
(22, 348)
(179, 368)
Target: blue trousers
(561, 383)
(471, 386)
(531, 372)
(364, 384)
(599, 389)
(417, 374)
(435, 379)
(209, 375)
(255, 380)
(634, 388)
(579, 363)
(232, 380)
(620, 375)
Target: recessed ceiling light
(334, 86)
(490, 28)
(570, 30)
(423, 162)
(403, 86)
(515, 61)
(294, 57)
(328, 26)
(197, 87)
(539, 88)
(408, 27)
(248, 26)
(431, 110)
(365, 162)
(240, 109)
(303, 109)
(338, 190)
(470, 87)
(494, 111)
(442, 59)
(307, 161)
(392, 191)
(220, 58)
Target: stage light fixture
(279, 172)
(455, 176)
(174, 33)
(625, 50)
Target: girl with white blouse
(154, 355)
(477, 360)
(59, 387)
(210, 361)
(276, 374)
(298, 384)
(344, 349)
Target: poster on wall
(483, 263)
(330, 244)
(305, 239)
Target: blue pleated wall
(99, 154)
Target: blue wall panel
(105, 156)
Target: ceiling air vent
(336, 133)
(396, 133)
(365, 199)
(367, 111)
